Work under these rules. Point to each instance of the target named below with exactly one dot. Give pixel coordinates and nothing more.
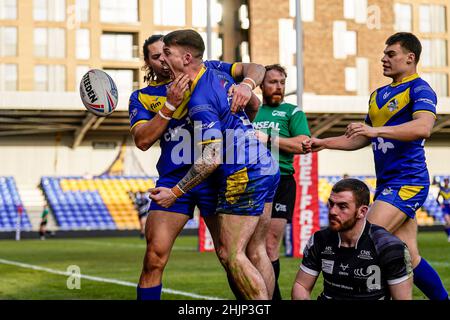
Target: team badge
(393, 105)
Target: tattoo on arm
(203, 167)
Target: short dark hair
(149, 73)
(186, 38)
(407, 41)
(359, 189)
(277, 67)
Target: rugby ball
(99, 92)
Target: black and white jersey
(379, 259)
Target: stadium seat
(9, 201)
(98, 203)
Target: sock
(447, 230)
(153, 293)
(428, 281)
(276, 269)
(234, 288)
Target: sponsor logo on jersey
(277, 113)
(133, 114)
(343, 268)
(393, 105)
(328, 250)
(425, 100)
(280, 207)
(365, 255)
(173, 132)
(386, 95)
(327, 266)
(266, 125)
(382, 145)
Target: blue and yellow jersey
(145, 103)
(209, 111)
(399, 162)
(445, 194)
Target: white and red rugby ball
(99, 92)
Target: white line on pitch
(98, 279)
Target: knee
(272, 250)
(256, 254)
(155, 260)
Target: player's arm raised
(250, 75)
(303, 286)
(146, 134)
(419, 128)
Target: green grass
(121, 259)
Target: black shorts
(284, 201)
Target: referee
(282, 126)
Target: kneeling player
(359, 260)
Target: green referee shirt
(287, 121)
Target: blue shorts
(246, 191)
(406, 198)
(204, 196)
(446, 209)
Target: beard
(339, 226)
(274, 100)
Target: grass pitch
(34, 269)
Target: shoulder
(420, 87)
(292, 109)
(383, 239)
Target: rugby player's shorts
(446, 209)
(246, 191)
(284, 201)
(204, 196)
(406, 198)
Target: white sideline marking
(98, 279)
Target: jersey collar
(155, 83)
(197, 77)
(359, 237)
(406, 79)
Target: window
(119, 11)
(49, 10)
(118, 46)
(125, 79)
(403, 17)
(82, 10)
(80, 72)
(287, 41)
(344, 42)
(216, 46)
(243, 17)
(49, 78)
(8, 9)
(8, 77)
(438, 81)
(434, 53)
(82, 44)
(306, 9)
(350, 79)
(49, 42)
(169, 12)
(432, 18)
(356, 9)
(8, 41)
(199, 13)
